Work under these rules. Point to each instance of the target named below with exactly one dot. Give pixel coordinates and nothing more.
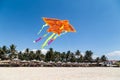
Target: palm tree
(97, 60)
(31, 55)
(103, 58)
(68, 56)
(26, 54)
(27, 50)
(20, 56)
(78, 55)
(13, 52)
(49, 55)
(38, 55)
(88, 56)
(72, 59)
(57, 56)
(81, 58)
(42, 57)
(63, 57)
(3, 52)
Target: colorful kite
(57, 27)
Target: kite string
(45, 43)
(42, 28)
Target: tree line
(10, 53)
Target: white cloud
(94, 56)
(115, 55)
(82, 53)
(44, 51)
(34, 50)
(23, 50)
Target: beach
(59, 73)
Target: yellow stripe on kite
(45, 43)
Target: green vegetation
(10, 53)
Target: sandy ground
(78, 73)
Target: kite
(57, 27)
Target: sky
(97, 24)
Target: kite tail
(52, 39)
(45, 43)
(55, 38)
(37, 40)
(42, 28)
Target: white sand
(78, 73)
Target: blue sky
(97, 23)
